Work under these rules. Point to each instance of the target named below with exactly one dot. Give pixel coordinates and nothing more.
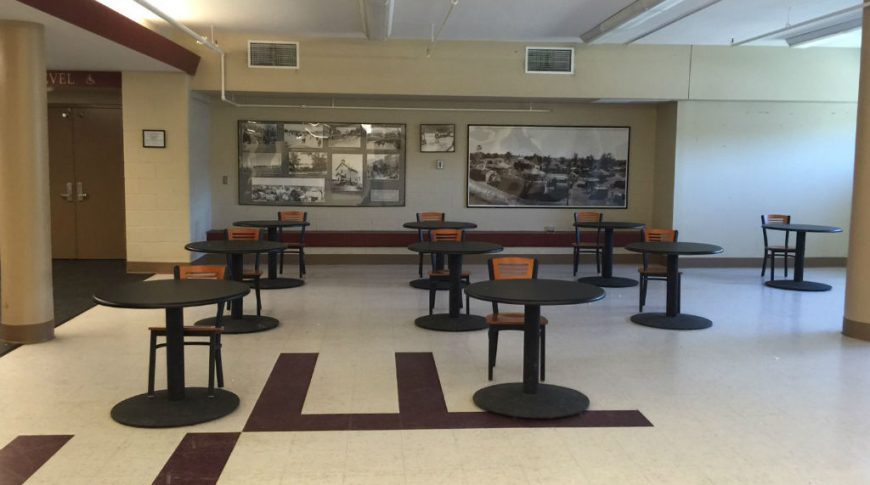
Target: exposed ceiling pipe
(214, 47)
(453, 4)
(802, 24)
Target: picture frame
(437, 138)
(154, 138)
(548, 166)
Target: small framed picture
(154, 138)
(437, 138)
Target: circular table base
(550, 402)
(426, 283)
(279, 283)
(798, 285)
(246, 324)
(609, 282)
(681, 321)
(443, 323)
(159, 412)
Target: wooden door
(97, 180)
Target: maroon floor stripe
(199, 459)
(421, 404)
(25, 454)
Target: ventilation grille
(282, 55)
(550, 60)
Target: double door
(86, 160)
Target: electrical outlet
(226, 180)
(439, 164)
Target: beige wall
(156, 180)
(200, 166)
(666, 145)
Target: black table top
(429, 225)
(610, 225)
(535, 292)
(687, 248)
(455, 247)
(271, 223)
(802, 228)
(170, 293)
(234, 247)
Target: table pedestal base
(550, 402)
(426, 283)
(159, 412)
(609, 281)
(798, 285)
(279, 283)
(682, 321)
(442, 322)
(246, 324)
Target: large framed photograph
(548, 166)
(321, 164)
(437, 138)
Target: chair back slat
(513, 268)
(660, 235)
(199, 272)
(296, 216)
(774, 219)
(243, 233)
(585, 216)
(445, 235)
(430, 216)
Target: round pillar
(26, 304)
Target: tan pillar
(856, 320)
(26, 305)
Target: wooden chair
(590, 247)
(293, 247)
(771, 250)
(215, 364)
(511, 268)
(444, 274)
(421, 234)
(649, 271)
(248, 234)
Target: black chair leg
(302, 269)
(257, 294)
(493, 349)
(785, 265)
(212, 350)
(281, 262)
(576, 260)
(772, 266)
(598, 261)
(764, 263)
(543, 352)
(420, 265)
(642, 296)
(152, 350)
(432, 285)
(218, 361)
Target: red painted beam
(105, 22)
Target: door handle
(80, 193)
(68, 194)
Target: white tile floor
(772, 393)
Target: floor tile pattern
(198, 460)
(25, 454)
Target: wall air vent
(275, 55)
(549, 60)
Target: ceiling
(531, 21)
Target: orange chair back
(778, 219)
(445, 235)
(588, 217)
(660, 235)
(200, 272)
(430, 216)
(295, 216)
(243, 233)
(513, 268)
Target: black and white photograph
(304, 135)
(437, 138)
(384, 137)
(383, 166)
(307, 163)
(284, 191)
(262, 164)
(260, 137)
(345, 135)
(547, 166)
(347, 172)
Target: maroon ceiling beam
(107, 23)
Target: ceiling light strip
(802, 24)
(831, 30)
(673, 21)
(630, 13)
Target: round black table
(426, 283)
(672, 319)
(238, 322)
(453, 321)
(530, 399)
(607, 279)
(177, 405)
(272, 281)
(798, 282)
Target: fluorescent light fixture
(377, 18)
(805, 23)
(674, 20)
(806, 39)
(631, 16)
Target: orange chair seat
(251, 274)
(188, 330)
(294, 245)
(586, 245)
(509, 319)
(654, 270)
(781, 249)
(446, 274)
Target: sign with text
(83, 79)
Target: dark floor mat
(75, 282)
